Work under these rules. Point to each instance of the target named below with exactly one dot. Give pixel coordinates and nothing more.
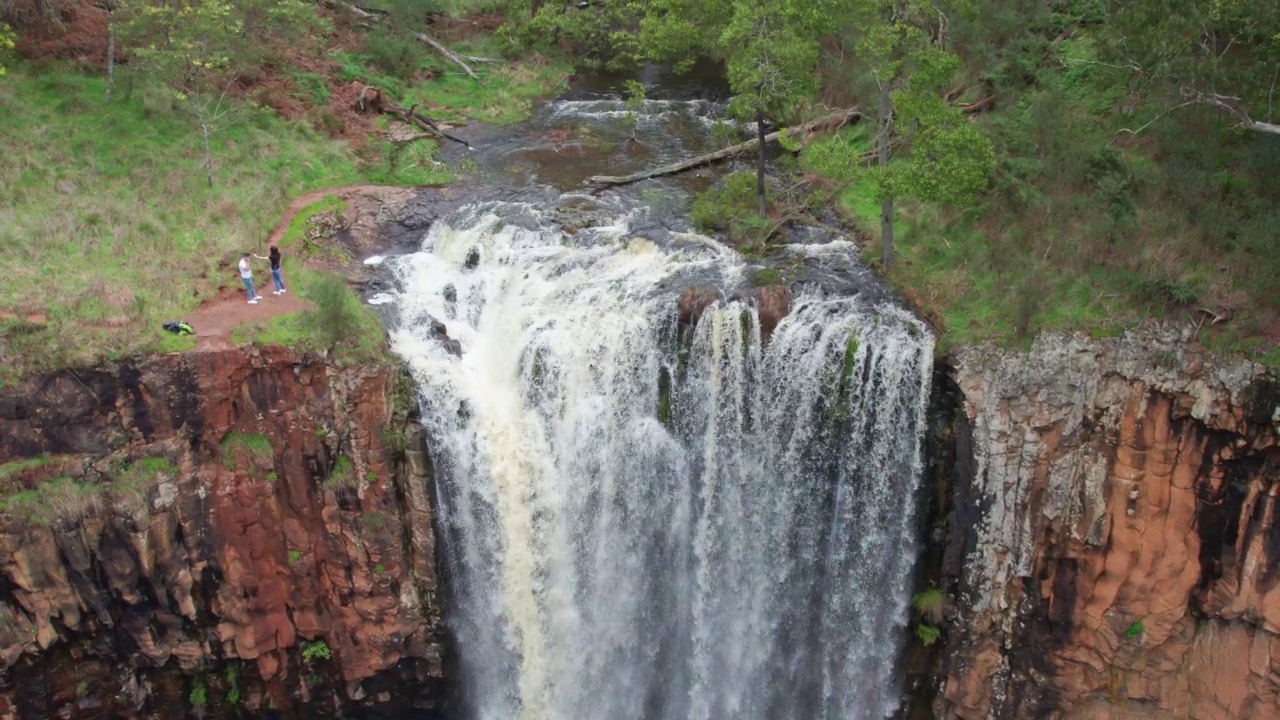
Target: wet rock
(693, 301)
(473, 259)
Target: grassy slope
(108, 227)
(1082, 232)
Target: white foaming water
(644, 520)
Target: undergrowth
(1085, 228)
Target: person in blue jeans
(246, 276)
(274, 257)
(275, 270)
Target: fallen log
(805, 131)
(425, 38)
(372, 98)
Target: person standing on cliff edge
(275, 269)
(246, 275)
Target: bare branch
(1152, 121)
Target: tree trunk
(886, 206)
(803, 132)
(760, 166)
(111, 55)
(208, 151)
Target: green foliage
(1135, 630)
(199, 696)
(316, 650)
(927, 634)
(6, 44)
(271, 476)
(130, 489)
(378, 569)
(730, 207)
(246, 451)
(929, 604)
(343, 473)
(294, 556)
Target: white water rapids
(648, 522)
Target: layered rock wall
(214, 531)
(1113, 548)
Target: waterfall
(645, 519)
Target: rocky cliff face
(1114, 550)
(214, 531)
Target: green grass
(339, 318)
(129, 490)
(343, 473)
(107, 225)
(504, 92)
(298, 225)
(61, 500)
(246, 451)
(13, 467)
(929, 604)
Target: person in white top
(246, 274)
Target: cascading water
(657, 521)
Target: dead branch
(805, 130)
(978, 105)
(361, 14)
(371, 98)
(1223, 102)
(423, 37)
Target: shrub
(315, 650)
(928, 634)
(343, 473)
(1135, 630)
(930, 604)
(199, 696)
(337, 314)
(246, 451)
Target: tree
(946, 159)
(1223, 54)
(772, 52)
(770, 48)
(199, 48)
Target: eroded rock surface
(282, 553)
(1115, 553)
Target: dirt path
(345, 192)
(215, 320)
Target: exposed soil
(216, 319)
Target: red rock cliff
(1114, 549)
(242, 528)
